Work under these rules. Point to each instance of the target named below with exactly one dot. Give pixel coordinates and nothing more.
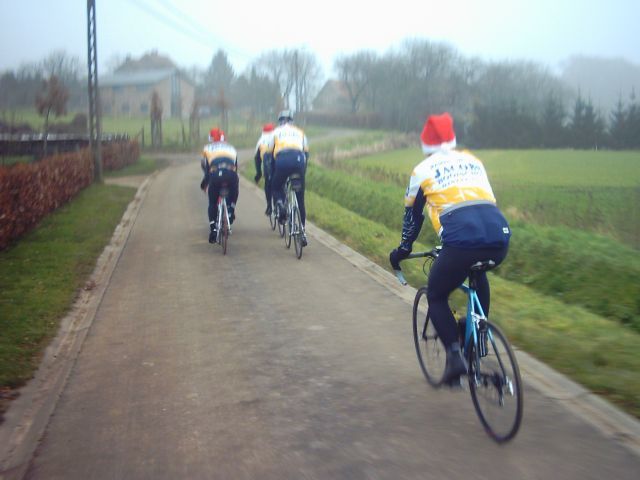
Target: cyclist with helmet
(263, 159)
(219, 164)
(290, 152)
(454, 187)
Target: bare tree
(223, 105)
(60, 64)
(156, 120)
(194, 122)
(296, 72)
(277, 66)
(308, 76)
(52, 98)
(355, 73)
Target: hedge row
(30, 191)
(118, 155)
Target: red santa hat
(216, 135)
(438, 133)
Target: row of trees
(19, 88)
(516, 104)
(509, 125)
(276, 79)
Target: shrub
(28, 192)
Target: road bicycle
(493, 374)
(293, 223)
(223, 223)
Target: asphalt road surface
(256, 365)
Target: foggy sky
(191, 31)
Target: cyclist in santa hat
(454, 188)
(219, 164)
(264, 161)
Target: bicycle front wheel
(297, 232)
(429, 348)
(496, 387)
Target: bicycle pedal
(455, 383)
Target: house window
(144, 107)
(125, 107)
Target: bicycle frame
(474, 315)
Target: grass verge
(41, 275)
(144, 166)
(566, 263)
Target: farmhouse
(333, 97)
(128, 91)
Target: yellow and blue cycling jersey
(262, 146)
(288, 137)
(448, 179)
(219, 155)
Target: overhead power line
(180, 22)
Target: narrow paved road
(259, 366)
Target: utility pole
(95, 130)
(295, 71)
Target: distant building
(333, 97)
(128, 91)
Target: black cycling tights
(448, 271)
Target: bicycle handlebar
(432, 254)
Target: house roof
(142, 77)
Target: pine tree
(632, 135)
(587, 127)
(618, 126)
(552, 128)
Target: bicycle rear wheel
(273, 217)
(496, 387)
(225, 228)
(288, 228)
(280, 225)
(297, 232)
(429, 348)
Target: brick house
(127, 92)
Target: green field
(241, 132)
(598, 191)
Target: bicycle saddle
(483, 266)
(296, 182)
